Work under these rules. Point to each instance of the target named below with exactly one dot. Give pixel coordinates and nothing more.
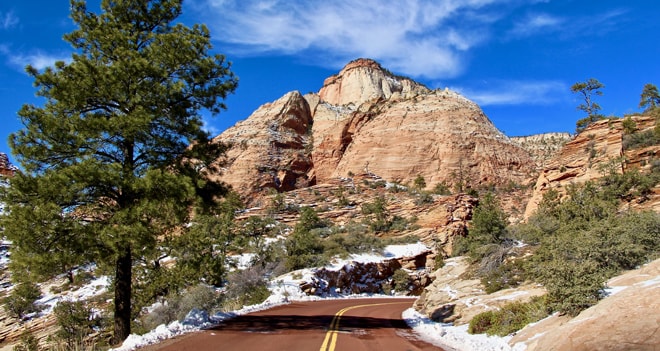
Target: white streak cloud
(8, 20)
(516, 92)
(416, 37)
(533, 24)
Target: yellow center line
(330, 340)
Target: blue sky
(516, 58)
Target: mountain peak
(364, 79)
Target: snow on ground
(286, 288)
(95, 287)
(453, 337)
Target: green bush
(442, 189)
(504, 276)
(28, 342)
(75, 322)
(423, 197)
(21, 300)
(401, 280)
(488, 228)
(510, 318)
(639, 140)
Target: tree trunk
(123, 276)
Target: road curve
(329, 325)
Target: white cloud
(37, 60)
(8, 20)
(533, 24)
(516, 92)
(414, 37)
(566, 27)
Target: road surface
(330, 325)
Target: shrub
(640, 139)
(423, 198)
(441, 189)
(488, 227)
(75, 322)
(178, 305)
(248, 287)
(419, 182)
(28, 342)
(303, 248)
(510, 318)
(507, 275)
(401, 280)
(21, 300)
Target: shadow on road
(273, 323)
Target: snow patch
(452, 337)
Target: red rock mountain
(365, 119)
(588, 155)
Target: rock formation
(270, 149)
(542, 147)
(454, 297)
(587, 156)
(363, 80)
(369, 277)
(367, 120)
(6, 168)
(626, 320)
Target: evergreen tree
(106, 162)
(650, 97)
(588, 88)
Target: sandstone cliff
(626, 320)
(367, 120)
(585, 156)
(542, 147)
(270, 149)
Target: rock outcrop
(363, 80)
(369, 277)
(542, 147)
(455, 298)
(270, 149)
(6, 168)
(628, 319)
(588, 155)
(367, 120)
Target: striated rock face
(271, 149)
(542, 147)
(6, 168)
(627, 320)
(583, 158)
(439, 135)
(363, 80)
(366, 120)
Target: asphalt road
(330, 325)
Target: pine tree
(587, 89)
(650, 98)
(106, 162)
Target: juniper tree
(104, 174)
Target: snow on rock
(197, 317)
